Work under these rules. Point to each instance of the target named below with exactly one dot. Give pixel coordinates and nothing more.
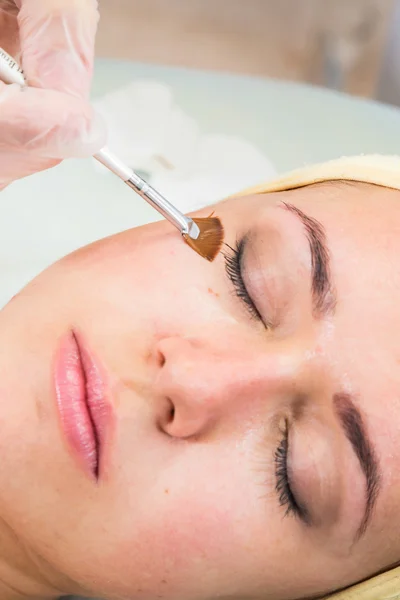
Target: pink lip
(85, 413)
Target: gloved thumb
(57, 42)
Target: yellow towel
(378, 170)
(381, 587)
(375, 168)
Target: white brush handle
(114, 164)
(186, 225)
(11, 72)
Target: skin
(187, 508)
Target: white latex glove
(53, 41)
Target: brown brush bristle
(209, 242)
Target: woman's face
(245, 441)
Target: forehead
(360, 206)
(362, 224)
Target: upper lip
(82, 403)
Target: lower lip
(85, 414)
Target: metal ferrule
(186, 225)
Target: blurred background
(350, 45)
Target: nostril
(171, 415)
(160, 359)
(166, 416)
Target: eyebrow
(323, 292)
(354, 428)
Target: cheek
(205, 507)
(196, 517)
(144, 273)
(198, 521)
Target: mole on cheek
(210, 291)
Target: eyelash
(282, 486)
(233, 268)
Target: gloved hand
(53, 41)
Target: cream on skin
(207, 393)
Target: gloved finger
(48, 123)
(57, 41)
(16, 165)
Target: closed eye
(287, 498)
(233, 268)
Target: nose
(203, 384)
